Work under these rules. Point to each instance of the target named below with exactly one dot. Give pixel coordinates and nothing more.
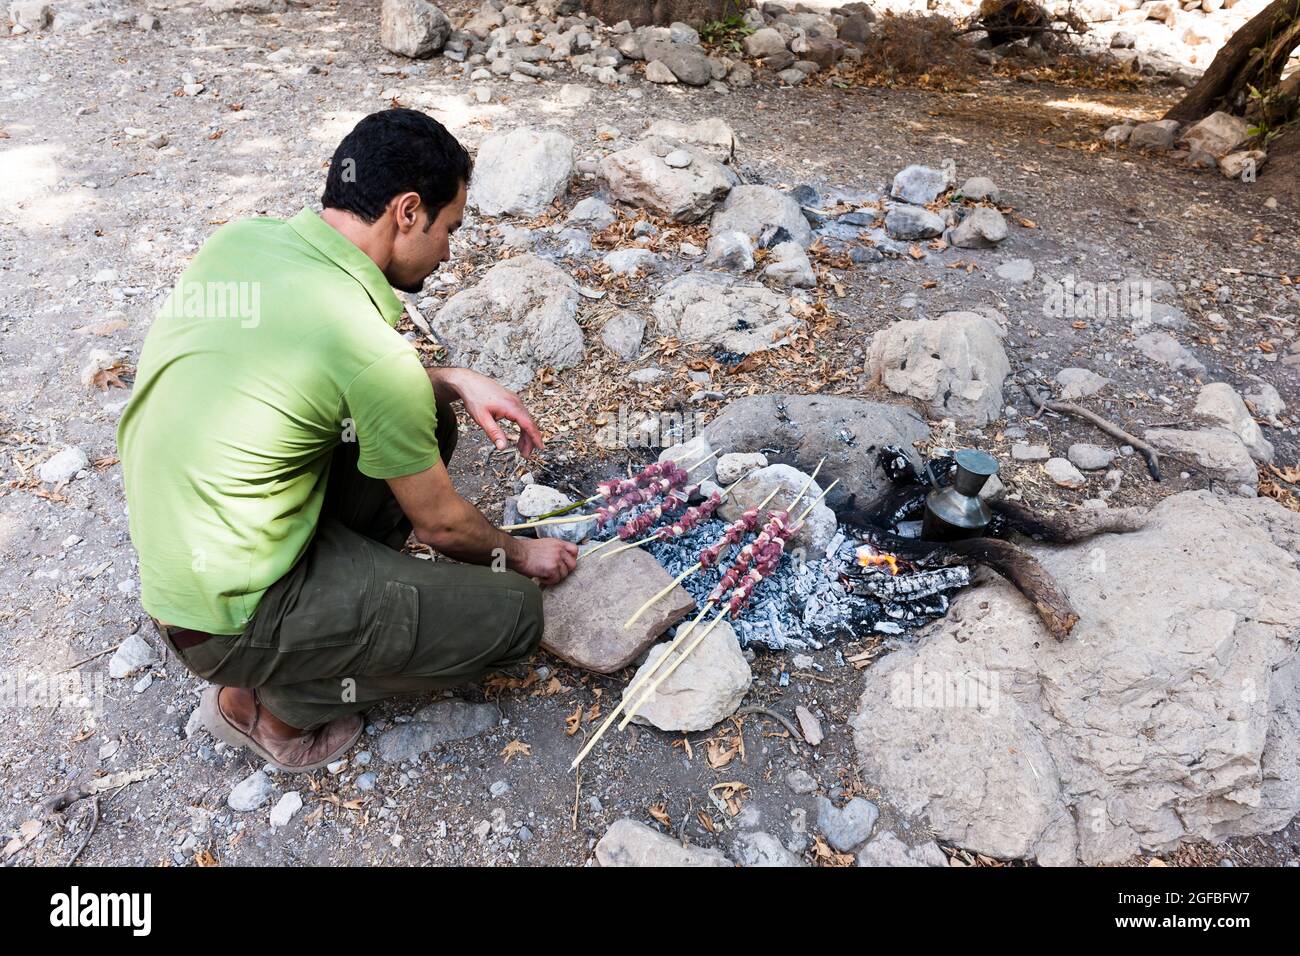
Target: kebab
(690, 518)
(749, 520)
(739, 600)
(626, 492)
(733, 534)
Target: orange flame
(869, 557)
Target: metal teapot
(958, 511)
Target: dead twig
(1109, 427)
(90, 830)
(780, 718)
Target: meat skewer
(687, 522)
(733, 608)
(681, 636)
(620, 489)
(733, 534)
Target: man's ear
(406, 210)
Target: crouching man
(282, 442)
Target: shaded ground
(81, 196)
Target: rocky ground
(170, 120)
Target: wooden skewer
(682, 634)
(663, 676)
(685, 574)
(651, 537)
(539, 522)
(627, 695)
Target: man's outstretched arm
(452, 526)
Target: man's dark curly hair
(393, 152)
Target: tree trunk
(660, 13)
(1254, 56)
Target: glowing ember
(869, 557)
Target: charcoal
(912, 587)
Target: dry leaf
(660, 813)
(573, 721)
(516, 748)
(205, 858)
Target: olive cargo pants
(355, 621)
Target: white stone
(412, 28)
(284, 809)
(639, 177)
(629, 843)
(709, 307)
(134, 654)
(250, 793)
(735, 465)
(63, 466)
(1219, 404)
(706, 687)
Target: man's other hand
(486, 402)
(549, 560)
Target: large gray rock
(521, 172)
(706, 687)
(920, 184)
(1219, 452)
(803, 429)
(764, 42)
(585, 616)
(520, 316)
(789, 265)
(1170, 714)
(412, 28)
(755, 210)
(740, 316)
(439, 723)
(639, 176)
(628, 843)
(820, 525)
(31, 15)
(1219, 404)
(954, 365)
(912, 222)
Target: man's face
(420, 246)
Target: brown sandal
(310, 745)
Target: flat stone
(758, 210)
(1016, 271)
(623, 334)
(439, 723)
(639, 177)
(888, 850)
(585, 615)
(629, 843)
(1164, 348)
(63, 466)
(1219, 404)
(285, 808)
(756, 848)
(912, 222)
(983, 228)
(1156, 135)
(1079, 383)
(800, 782)
(740, 316)
(1023, 451)
(809, 725)
(980, 189)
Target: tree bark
(1253, 56)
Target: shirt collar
(340, 250)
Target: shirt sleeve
(393, 414)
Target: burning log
(911, 587)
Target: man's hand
(486, 402)
(550, 560)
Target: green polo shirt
(276, 344)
